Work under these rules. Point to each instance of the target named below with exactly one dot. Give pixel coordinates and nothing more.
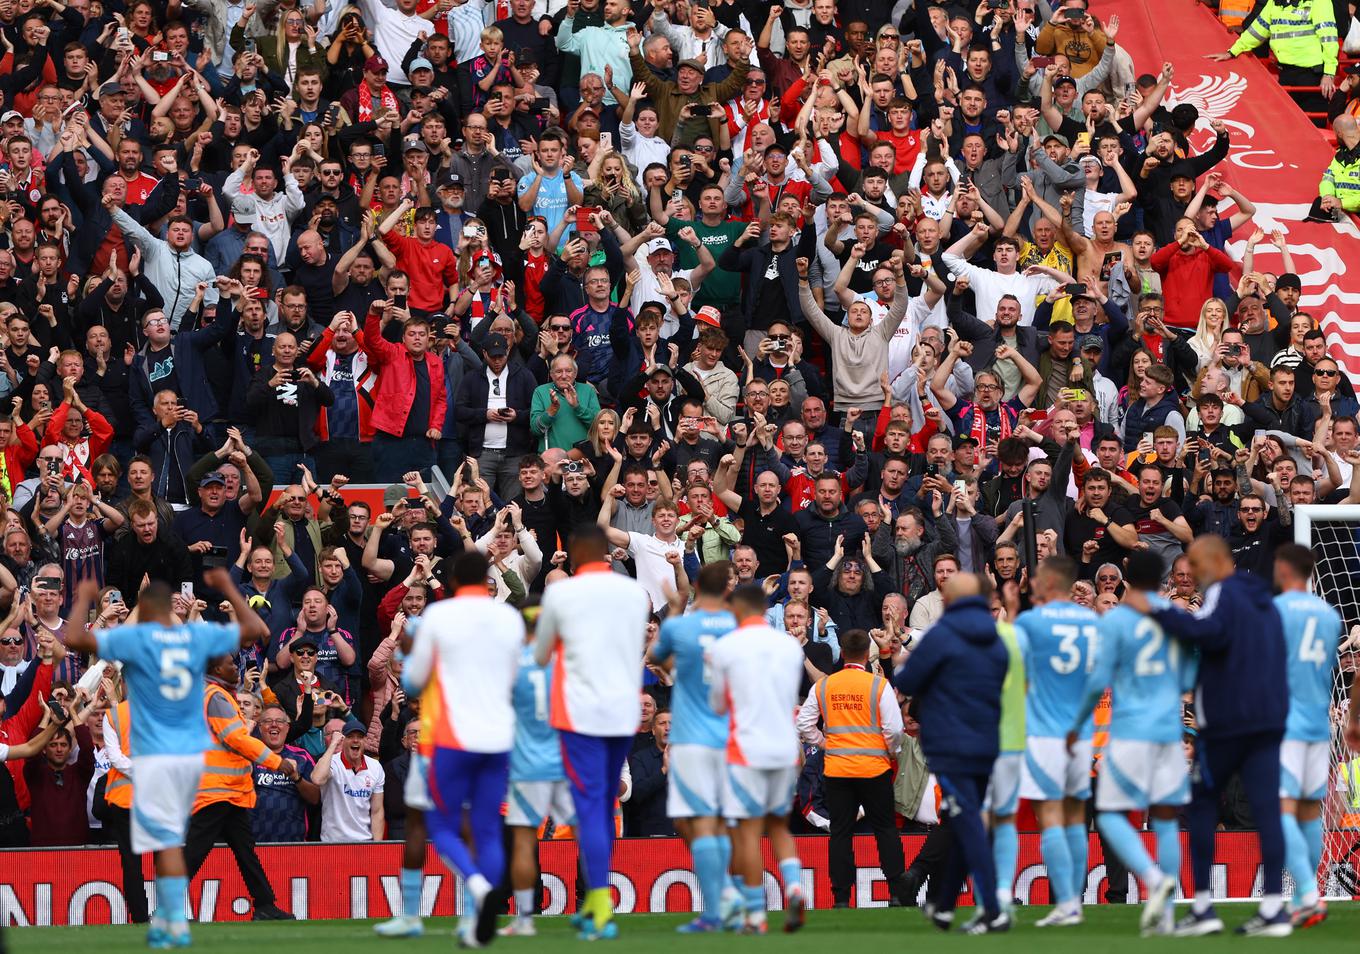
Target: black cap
(1289, 280)
(496, 346)
(450, 180)
(304, 639)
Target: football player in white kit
(755, 673)
(538, 784)
(468, 648)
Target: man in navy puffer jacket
(955, 675)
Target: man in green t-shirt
(721, 288)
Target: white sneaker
(1060, 917)
(1151, 921)
(519, 927)
(403, 926)
(467, 936)
(730, 910)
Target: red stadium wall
(83, 886)
(1276, 160)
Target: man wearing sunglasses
(12, 661)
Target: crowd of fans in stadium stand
(827, 290)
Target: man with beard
(1151, 521)
(915, 548)
(451, 192)
(1086, 536)
(1217, 509)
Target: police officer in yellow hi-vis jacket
(861, 732)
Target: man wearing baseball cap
(450, 192)
(1092, 349)
(672, 98)
(351, 785)
(656, 268)
(372, 95)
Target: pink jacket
(382, 685)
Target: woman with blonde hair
(613, 189)
(603, 430)
(1213, 318)
(291, 47)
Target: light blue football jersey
(1145, 670)
(163, 667)
(687, 638)
(536, 755)
(1312, 633)
(1058, 641)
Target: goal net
(1333, 534)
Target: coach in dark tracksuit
(1242, 700)
(955, 677)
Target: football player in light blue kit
(1058, 639)
(1143, 768)
(163, 664)
(698, 740)
(1312, 632)
(538, 782)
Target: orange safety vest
(855, 747)
(1101, 737)
(117, 786)
(234, 752)
(1232, 13)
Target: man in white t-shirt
(650, 551)
(351, 786)
(989, 286)
(756, 671)
(656, 269)
(592, 627)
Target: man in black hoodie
(1242, 700)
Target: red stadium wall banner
(83, 885)
(1277, 155)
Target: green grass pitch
(870, 931)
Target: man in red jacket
(18, 449)
(18, 727)
(409, 402)
(1187, 267)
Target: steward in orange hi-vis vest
(855, 747)
(227, 775)
(226, 792)
(862, 729)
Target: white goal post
(1332, 533)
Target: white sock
(524, 903)
(1270, 905)
(1203, 902)
(1152, 878)
(478, 887)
